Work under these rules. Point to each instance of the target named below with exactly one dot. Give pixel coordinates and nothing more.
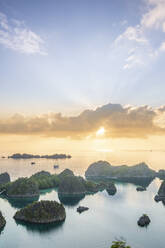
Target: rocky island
(139, 174)
(111, 188)
(4, 178)
(31, 156)
(140, 188)
(144, 220)
(2, 221)
(42, 212)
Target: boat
(56, 166)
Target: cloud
(155, 16)
(16, 36)
(133, 34)
(138, 37)
(119, 121)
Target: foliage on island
(42, 212)
(64, 173)
(22, 187)
(119, 244)
(71, 185)
(45, 180)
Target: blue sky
(67, 56)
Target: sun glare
(100, 132)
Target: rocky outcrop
(42, 212)
(144, 220)
(22, 188)
(81, 209)
(4, 178)
(141, 188)
(111, 188)
(2, 221)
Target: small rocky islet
(42, 212)
(144, 220)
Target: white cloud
(16, 36)
(162, 47)
(136, 38)
(155, 16)
(133, 34)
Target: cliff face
(4, 178)
(42, 212)
(105, 170)
(22, 187)
(2, 221)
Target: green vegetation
(42, 212)
(22, 187)
(71, 185)
(65, 173)
(119, 244)
(45, 180)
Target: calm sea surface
(108, 217)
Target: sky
(69, 68)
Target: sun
(100, 132)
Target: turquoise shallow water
(108, 217)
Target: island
(144, 220)
(139, 174)
(81, 209)
(111, 188)
(42, 212)
(31, 156)
(2, 221)
(140, 188)
(4, 178)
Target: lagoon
(108, 217)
